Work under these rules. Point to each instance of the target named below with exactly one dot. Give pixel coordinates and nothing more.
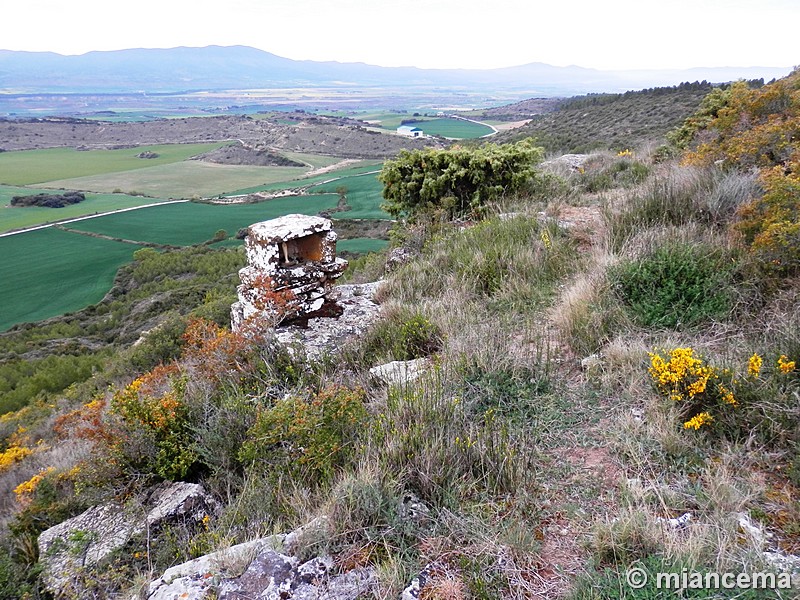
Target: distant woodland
(49, 200)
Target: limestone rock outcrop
(291, 266)
(263, 569)
(92, 536)
(320, 336)
(400, 372)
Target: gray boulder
(92, 536)
(264, 569)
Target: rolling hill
(241, 67)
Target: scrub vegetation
(611, 346)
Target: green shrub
(510, 392)
(457, 181)
(154, 426)
(306, 440)
(17, 581)
(676, 285)
(622, 172)
(402, 335)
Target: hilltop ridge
(242, 67)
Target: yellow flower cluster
(785, 365)
(683, 375)
(12, 455)
(548, 243)
(697, 421)
(754, 365)
(25, 490)
(624, 153)
(726, 394)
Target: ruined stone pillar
(291, 266)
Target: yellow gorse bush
(682, 376)
(12, 455)
(697, 421)
(709, 394)
(25, 490)
(785, 365)
(754, 365)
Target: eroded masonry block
(291, 266)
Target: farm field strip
(29, 167)
(461, 129)
(364, 167)
(361, 245)
(316, 161)
(55, 272)
(187, 223)
(183, 180)
(364, 195)
(16, 219)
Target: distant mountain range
(241, 67)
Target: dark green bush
(510, 392)
(676, 285)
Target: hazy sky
(604, 34)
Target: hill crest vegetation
(608, 350)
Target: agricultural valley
(576, 349)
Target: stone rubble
(325, 335)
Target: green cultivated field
(315, 160)
(29, 216)
(360, 245)
(39, 166)
(192, 223)
(454, 128)
(364, 195)
(49, 272)
(183, 179)
(364, 166)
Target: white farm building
(410, 131)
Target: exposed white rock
(195, 579)
(677, 522)
(592, 362)
(325, 335)
(755, 532)
(400, 372)
(573, 162)
(264, 569)
(785, 563)
(90, 537)
(397, 257)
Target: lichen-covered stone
(327, 336)
(293, 256)
(87, 539)
(264, 569)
